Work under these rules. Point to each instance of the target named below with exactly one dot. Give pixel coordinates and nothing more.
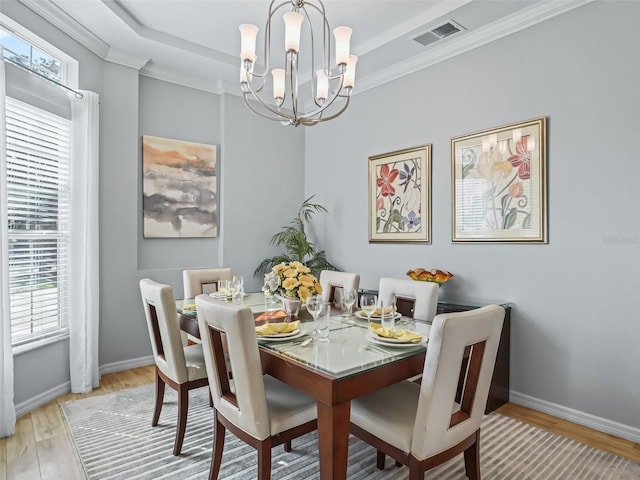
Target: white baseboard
(597, 423)
(126, 364)
(57, 391)
(42, 398)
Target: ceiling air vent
(427, 38)
(443, 30)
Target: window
(38, 146)
(19, 51)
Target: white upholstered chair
(203, 280)
(330, 280)
(198, 281)
(425, 425)
(418, 300)
(259, 409)
(182, 368)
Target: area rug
(114, 439)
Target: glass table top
(348, 350)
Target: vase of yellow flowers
(293, 282)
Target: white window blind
(38, 145)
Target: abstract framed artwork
(400, 196)
(180, 197)
(499, 184)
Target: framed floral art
(499, 184)
(400, 196)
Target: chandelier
(329, 90)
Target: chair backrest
(203, 280)
(164, 330)
(330, 280)
(421, 297)
(245, 405)
(461, 345)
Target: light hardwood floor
(42, 447)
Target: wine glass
(314, 307)
(349, 297)
(368, 304)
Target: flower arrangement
(291, 279)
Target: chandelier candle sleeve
(292, 27)
(278, 83)
(322, 89)
(248, 34)
(343, 44)
(350, 72)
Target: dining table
(350, 363)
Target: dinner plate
(393, 342)
(361, 314)
(281, 336)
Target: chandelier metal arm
(282, 117)
(314, 121)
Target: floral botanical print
(398, 197)
(503, 169)
(500, 184)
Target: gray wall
(575, 328)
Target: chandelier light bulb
(350, 72)
(248, 33)
(322, 88)
(278, 83)
(343, 44)
(292, 27)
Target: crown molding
(470, 40)
(170, 41)
(185, 79)
(60, 19)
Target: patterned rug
(114, 438)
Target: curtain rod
(79, 95)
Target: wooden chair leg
(380, 460)
(159, 399)
(472, 459)
(416, 469)
(210, 397)
(264, 460)
(287, 446)
(183, 409)
(218, 447)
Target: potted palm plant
(299, 248)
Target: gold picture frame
(499, 184)
(400, 196)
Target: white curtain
(7, 408)
(84, 307)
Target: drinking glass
(322, 322)
(314, 307)
(349, 297)
(388, 315)
(368, 304)
(291, 306)
(237, 288)
(224, 290)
